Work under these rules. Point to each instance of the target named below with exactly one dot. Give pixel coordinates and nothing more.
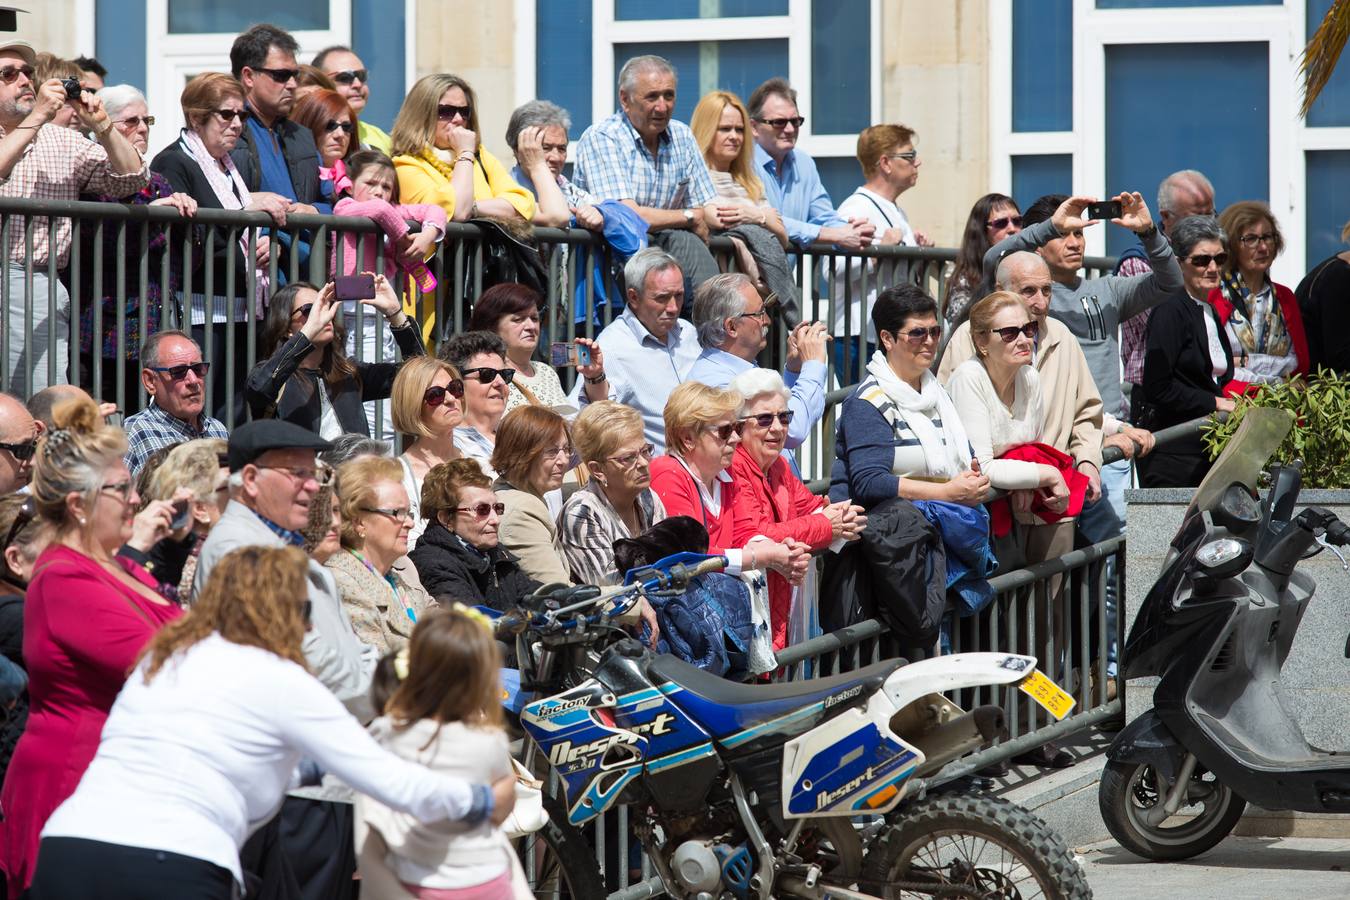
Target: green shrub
(1321, 433)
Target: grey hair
(347, 447)
(1015, 260)
(716, 300)
(535, 114)
(1167, 190)
(755, 383)
(150, 349)
(629, 73)
(1188, 232)
(643, 263)
(117, 97)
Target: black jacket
(1179, 383)
(299, 151)
(278, 388)
(451, 571)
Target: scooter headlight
(1224, 557)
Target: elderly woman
(992, 218)
(127, 109)
(1261, 318)
(88, 614)
(1188, 359)
(537, 135)
(899, 433)
(480, 359)
(49, 66)
(428, 405)
(532, 454)
(770, 499)
(198, 468)
(305, 376)
(334, 125)
(382, 605)
(199, 164)
(460, 558)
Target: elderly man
(38, 162)
(174, 375)
(352, 79)
(18, 441)
(645, 159)
(274, 155)
(1181, 194)
(41, 404)
(791, 182)
(648, 350)
(733, 327)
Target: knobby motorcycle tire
(1038, 847)
(1114, 799)
(575, 856)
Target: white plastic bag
(804, 614)
(761, 658)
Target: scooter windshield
(1258, 436)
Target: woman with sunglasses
(305, 376)
(334, 125)
(1188, 359)
(771, 500)
(87, 615)
(991, 219)
(480, 359)
(532, 455)
(428, 405)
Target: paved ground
(1240, 868)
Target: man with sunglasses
(42, 163)
(174, 376)
(353, 82)
(18, 440)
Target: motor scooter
(1216, 629)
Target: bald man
(18, 439)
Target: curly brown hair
(256, 596)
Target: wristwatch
(689, 217)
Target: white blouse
(994, 429)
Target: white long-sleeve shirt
(199, 758)
(993, 428)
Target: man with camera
(49, 163)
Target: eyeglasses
(780, 124)
(726, 430)
(332, 126)
(21, 451)
(762, 315)
(1010, 333)
(552, 453)
(918, 336)
(10, 74)
(447, 111)
(322, 474)
(765, 420)
(178, 373)
(435, 395)
(229, 115)
(304, 311)
(907, 156)
(280, 76)
(1004, 222)
(1202, 260)
(26, 514)
(487, 374)
(1251, 240)
(135, 121)
(348, 76)
(398, 514)
(481, 510)
(122, 488)
(628, 460)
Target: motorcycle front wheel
(1128, 791)
(988, 846)
(559, 862)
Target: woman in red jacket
(770, 499)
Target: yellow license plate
(1054, 698)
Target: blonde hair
(72, 457)
(707, 116)
(415, 128)
(410, 385)
(602, 428)
(355, 487)
(983, 312)
(49, 66)
(693, 405)
(878, 140)
(194, 465)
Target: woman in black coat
(1188, 359)
(458, 557)
(307, 378)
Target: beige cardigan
(376, 618)
(527, 529)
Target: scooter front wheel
(1130, 791)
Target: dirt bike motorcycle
(808, 789)
(1216, 630)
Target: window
(703, 66)
(214, 17)
(1042, 87)
(1333, 104)
(1328, 186)
(1036, 176)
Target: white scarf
(917, 409)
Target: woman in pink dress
(87, 616)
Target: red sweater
(679, 492)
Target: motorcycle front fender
(1147, 740)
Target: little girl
(441, 703)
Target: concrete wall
(47, 26)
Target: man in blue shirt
(733, 327)
(647, 351)
(791, 181)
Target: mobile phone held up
(182, 512)
(570, 354)
(1107, 209)
(354, 287)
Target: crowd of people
(198, 619)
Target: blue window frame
(627, 10)
(214, 17)
(841, 79)
(563, 59)
(1042, 56)
(1328, 184)
(1041, 174)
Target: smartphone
(354, 287)
(1107, 209)
(182, 514)
(569, 354)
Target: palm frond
(1323, 52)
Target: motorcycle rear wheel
(1129, 790)
(559, 862)
(988, 846)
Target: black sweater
(451, 571)
(1179, 383)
